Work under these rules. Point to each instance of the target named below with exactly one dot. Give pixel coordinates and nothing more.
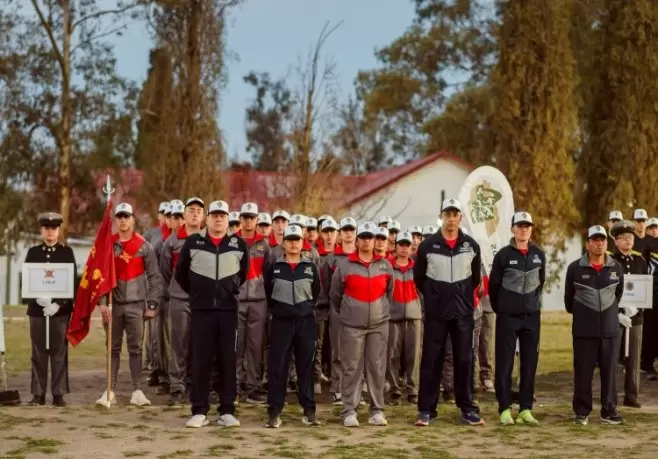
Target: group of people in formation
(251, 306)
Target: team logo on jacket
(308, 271)
(613, 276)
(233, 242)
(536, 259)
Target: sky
(270, 36)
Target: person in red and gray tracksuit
(135, 299)
(179, 313)
(361, 292)
(252, 318)
(405, 325)
(347, 228)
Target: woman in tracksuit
(292, 287)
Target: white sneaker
(103, 400)
(196, 421)
(228, 420)
(317, 388)
(351, 421)
(378, 419)
(489, 385)
(364, 388)
(139, 399)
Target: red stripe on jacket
(364, 288)
(128, 266)
(256, 260)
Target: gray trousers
(335, 328)
(57, 355)
(162, 341)
(404, 345)
(448, 368)
(632, 363)
(322, 322)
(363, 349)
(180, 355)
(252, 322)
(149, 346)
(127, 318)
(485, 351)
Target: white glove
(624, 321)
(51, 310)
(630, 311)
(44, 302)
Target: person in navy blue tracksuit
(292, 287)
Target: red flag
(98, 279)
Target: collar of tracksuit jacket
(210, 274)
(593, 297)
(292, 292)
(448, 277)
(517, 280)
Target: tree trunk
(65, 124)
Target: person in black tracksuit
(515, 288)
(594, 286)
(292, 287)
(447, 271)
(211, 268)
(650, 324)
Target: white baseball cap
(168, 208)
(233, 217)
(177, 207)
(404, 236)
(366, 229)
(394, 225)
(329, 224)
(596, 230)
(415, 230)
(522, 217)
(298, 219)
(292, 232)
(249, 209)
(384, 219)
(324, 217)
(653, 221)
(381, 232)
(218, 207)
(615, 215)
(123, 208)
(195, 200)
(347, 223)
(264, 219)
(311, 222)
(281, 214)
(640, 214)
(162, 208)
(429, 229)
(451, 204)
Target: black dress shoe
(37, 400)
(58, 400)
(632, 404)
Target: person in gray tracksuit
(361, 292)
(178, 312)
(135, 298)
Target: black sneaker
(396, 399)
(153, 379)
(582, 420)
(274, 422)
(632, 404)
(58, 401)
(37, 400)
(256, 398)
(612, 419)
(176, 400)
(309, 419)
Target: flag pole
(108, 190)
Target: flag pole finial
(108, 190)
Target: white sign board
(52, 280)
(638, 291)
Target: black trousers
(431, 365)
(288, 336)
(587, 353)
(213, 336)
(508, 329)
(649, 337)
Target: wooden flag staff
(108, 190)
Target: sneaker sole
(466, 422)
(198, 427)
(611, 423)
(420, 423)
(255, 402)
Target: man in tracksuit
(650, 324)
(135, 299)
(447, 271)
(516, 282)
(593, 287)
(292, 286)
(404, 333)
(179, 314)
(631, 320)
(347, 233)
(252, 316)
(361, 293)
(211, 268)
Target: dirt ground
(81, 429)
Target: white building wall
(81, 249)
(416, 200)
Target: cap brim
(329, 228)
(348, 227)
(592, 236)
(124, 213)
(408, 241)
(50, 223)
(292, 237)
(195, 201)
(248, 214)
(217, 211)
(523, 222)
(366, 234)
(445, 209)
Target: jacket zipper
(214, 297)
(525, 272)
(369, 294)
